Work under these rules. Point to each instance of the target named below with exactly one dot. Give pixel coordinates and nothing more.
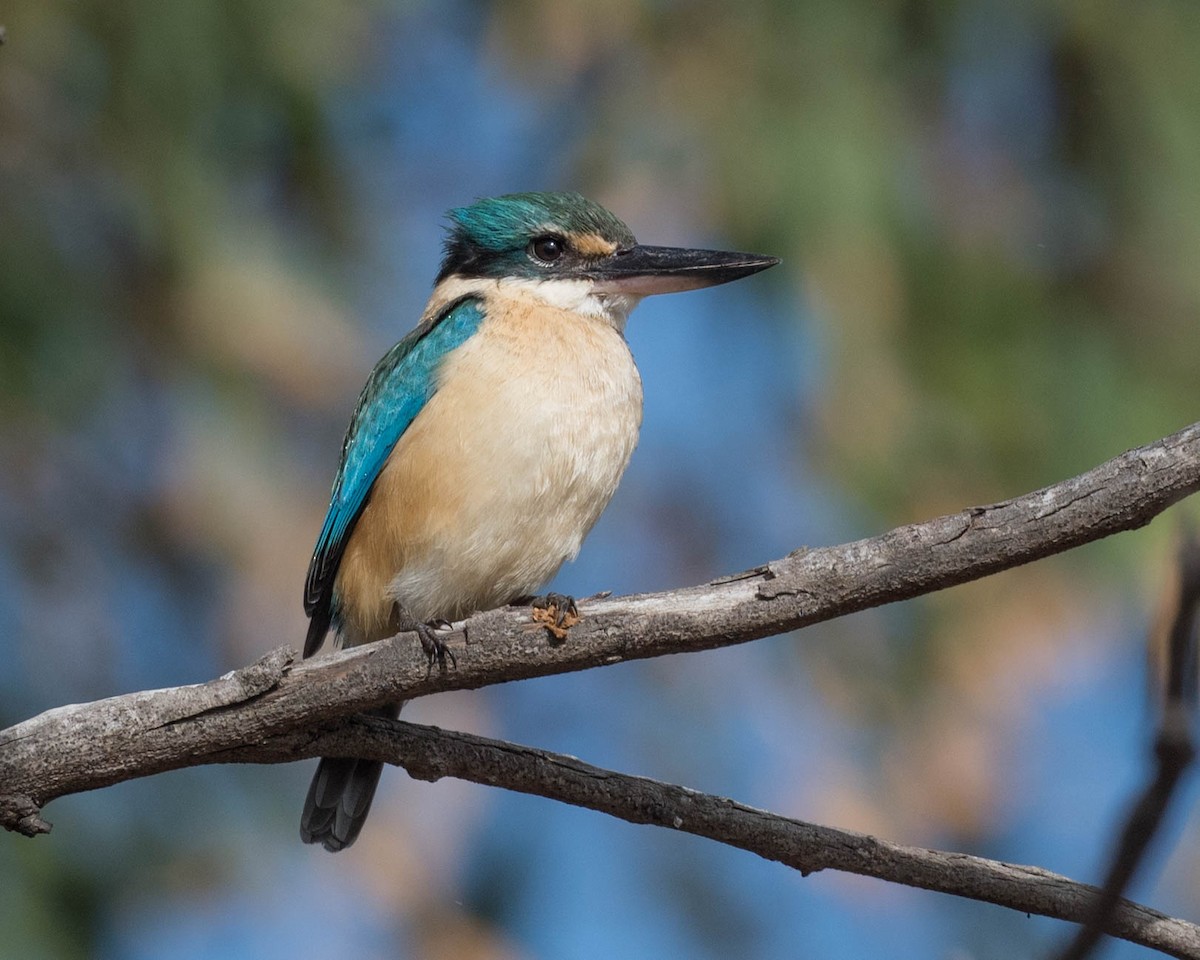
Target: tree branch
(274, 710)
(1174, 752)
(428, 753)
(85, 746)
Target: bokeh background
(216, 214)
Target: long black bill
(641, 270)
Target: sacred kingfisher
(486, 443)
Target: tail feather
(339, 797)
(318, 626)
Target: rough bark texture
(429, 754)
(248, 714)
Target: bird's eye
(547, 249)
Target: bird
(486, 443)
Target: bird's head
(574, 254)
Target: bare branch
(274, 710)
(82, 747)
(428, 753)
(1174, 752)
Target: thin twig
(1174, 751)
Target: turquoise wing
(399, 386)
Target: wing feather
(398, 388)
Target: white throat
(579, 296)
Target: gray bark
(278, 709)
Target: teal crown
(491, 237)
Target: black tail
(339, 797)
(318, 626)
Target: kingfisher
(486, 443)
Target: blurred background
(216, 215)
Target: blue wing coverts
(399, 386)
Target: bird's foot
(434, 646)
(557, 612)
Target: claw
(557, 612)
(434, 646)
